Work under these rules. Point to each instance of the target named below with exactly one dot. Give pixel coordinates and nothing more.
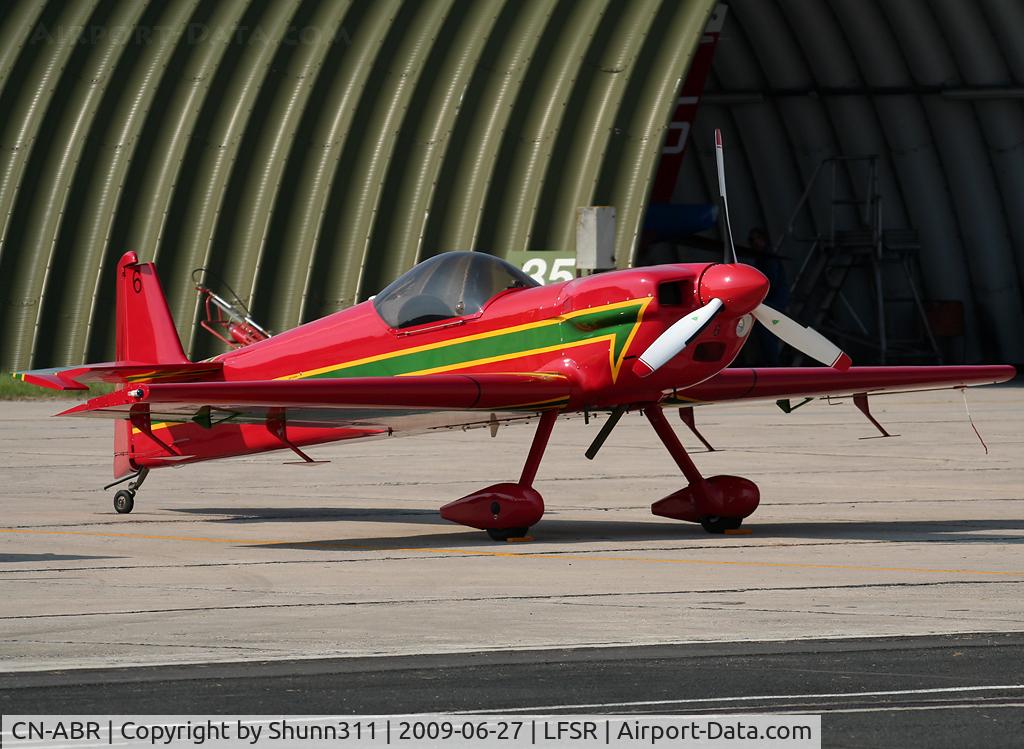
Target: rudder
(145, 329)
(145, 333)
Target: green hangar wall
(308, 151)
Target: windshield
(448, 285)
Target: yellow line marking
(140, 535)
(628, 343)
(529, 555)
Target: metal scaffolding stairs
(855, 246)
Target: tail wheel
(124, 501)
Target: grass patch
(16, 390)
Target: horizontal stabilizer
(78, 378)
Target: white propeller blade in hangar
(805, 340)
(720, 162)
(674, 340)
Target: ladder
(853, 248)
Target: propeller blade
(674, 340)
(720, 161)
(805, 340)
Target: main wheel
(504, 534)
(716, 524)
(124, 501)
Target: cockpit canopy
(448, 285)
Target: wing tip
(1004, 372)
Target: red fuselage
(586, 329)
(591, 330)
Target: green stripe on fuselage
(619, 322)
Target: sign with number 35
(545, 267)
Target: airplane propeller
(674, 340)
(807, 341)
(740, 289)
(720, 163)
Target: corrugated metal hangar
(309, 151)
(934, 88)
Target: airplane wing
(772, 383)
(383, 403)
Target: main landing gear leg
(507, 510)
(124, 499)
(718, 503)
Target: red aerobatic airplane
(465, 340)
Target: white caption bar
(476, 731)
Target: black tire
(504, 534)
(715, 524)
(124, 501)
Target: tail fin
(148, 347)
(148, 350)
(145, 330)
(145, 334)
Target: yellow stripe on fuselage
(609, 339)
(489, 334)
(159, 425)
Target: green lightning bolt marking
(615, 323)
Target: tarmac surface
(920, 691)
(252, 560)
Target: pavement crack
(550, 597)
